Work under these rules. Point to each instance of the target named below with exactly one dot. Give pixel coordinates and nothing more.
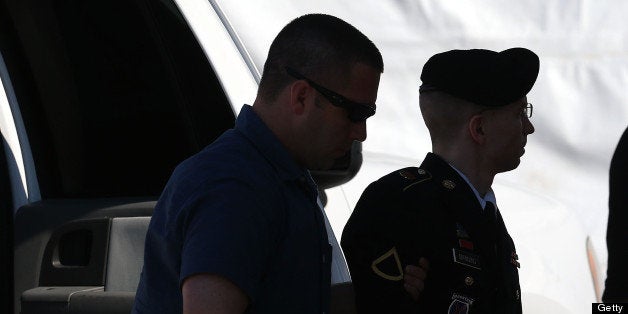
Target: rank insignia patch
(388, 266)
(466, 258)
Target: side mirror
(343, 170)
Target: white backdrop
(580, 101)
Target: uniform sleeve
(229, 230)
(376, 242)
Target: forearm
(210, 293)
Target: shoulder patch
(388, 266)
(416, 175)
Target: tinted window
(123, 94)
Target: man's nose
(528, 127)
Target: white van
(102, 99)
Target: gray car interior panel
(101, 302)
(126, 253)
(51, 300)
(75, 254)
(44, 227)
(118, 251)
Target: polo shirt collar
(263, 139)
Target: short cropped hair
(319, 46)
(444, 115)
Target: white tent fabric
(559, 194)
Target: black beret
(484, 77)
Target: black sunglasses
(358, 112)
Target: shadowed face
(330, 129)
(506, 130)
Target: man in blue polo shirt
(238, 227)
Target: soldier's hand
(414, 278)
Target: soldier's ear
(300, 91)
(476, 129)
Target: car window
(114, 104)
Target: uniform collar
(262, 138)
(489, 197)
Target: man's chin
(337, 160)
(322, 165)
(515, 165)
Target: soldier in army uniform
(475, 107)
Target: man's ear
(476, 128)
(299, 93)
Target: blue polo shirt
(244, 209)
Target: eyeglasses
(358, 112)
(527, 111)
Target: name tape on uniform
(466, 258)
